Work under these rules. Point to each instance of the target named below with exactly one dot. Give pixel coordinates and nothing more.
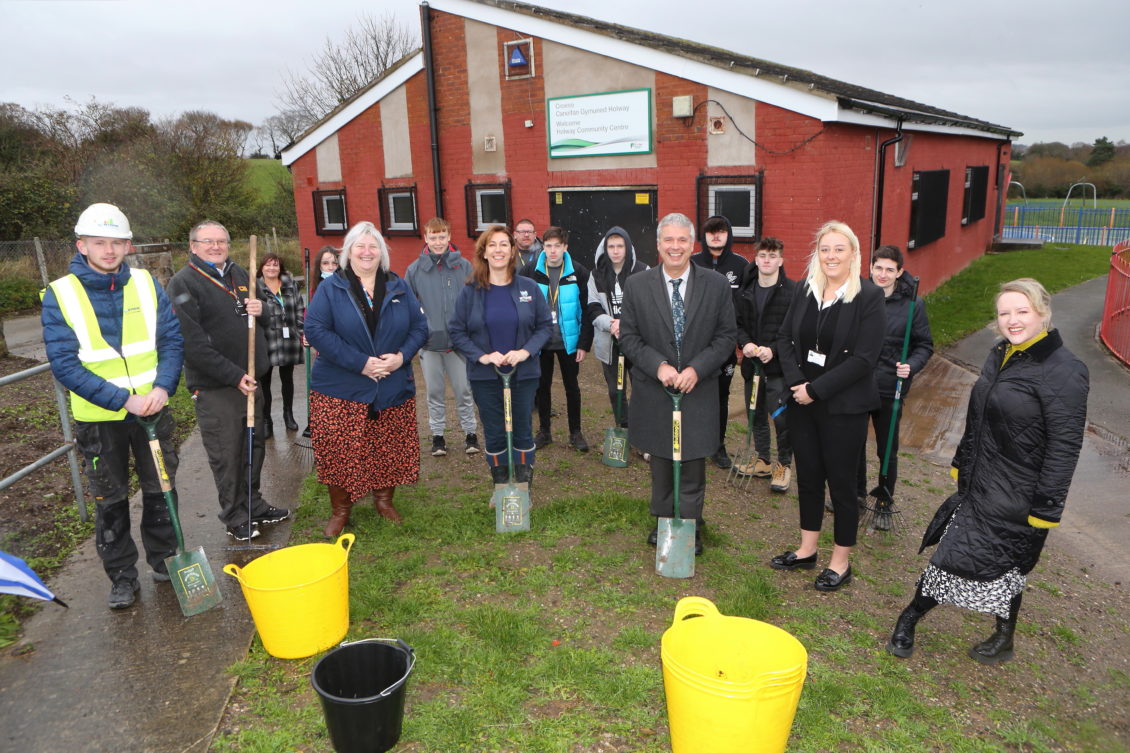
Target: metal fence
(1060, 224)
(1115, 327)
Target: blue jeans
(488, 398)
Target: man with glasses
(210, 297)
(762, 304)
(526, 238)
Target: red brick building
(566, 120)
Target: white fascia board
(766, 90)
(407, 70)
(855, 117)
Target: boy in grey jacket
(436, 278)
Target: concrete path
(147, 679)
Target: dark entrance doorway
(588, 213)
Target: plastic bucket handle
(694, 606)
(235, 572)
(392, 642)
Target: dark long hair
(480, 271)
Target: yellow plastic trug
(732, 683)
(298, 596)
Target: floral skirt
(359, 454)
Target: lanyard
(217, 283)
(822, 319)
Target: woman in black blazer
(829, 344)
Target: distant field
(262, 176)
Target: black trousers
(609, 370)
(692, 488)
(286, 382)
(724, 380)
(569, 371)
(221, 415)
(881, 422)
(827, 448)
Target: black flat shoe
(653, 537)
(830, 580)
(789, 561)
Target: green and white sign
(589, 125)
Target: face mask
(327, 275)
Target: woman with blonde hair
(1023, 432)
(366, 325)
(828, 345)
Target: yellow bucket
(732, 683)
(298, 596)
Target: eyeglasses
(221, 243)
(523, 232)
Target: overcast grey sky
(1056, 71)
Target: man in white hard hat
(113, 341)
(210, 297)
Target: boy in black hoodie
(614, 261)
(718, 254)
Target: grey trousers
(222, 417)
(436, 364)
(692, 488)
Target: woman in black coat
(1023, 433)
(828, 346)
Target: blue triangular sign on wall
(517, 58)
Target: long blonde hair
(815, 277)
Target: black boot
(268, 428)
(499, 474)
(288, 420)
(997, 648)
(524, 474)
(901, 643)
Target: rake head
(740, 475)
(881, 515)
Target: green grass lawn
(263, 176)
(964, 304)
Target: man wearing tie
(677, 327)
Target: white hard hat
(104, 221)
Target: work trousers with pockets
(489, 398)
(881, 422)
(827, 448)
(569, 371)
(770, 395)
(439, 363)
(106, 447)
(692, 488)
(221, 415)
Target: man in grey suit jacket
(691, 365)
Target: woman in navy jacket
(828, 346)
(366, 325)
(500, 320)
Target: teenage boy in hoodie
(564, 283)
(113, 341)
(436, 278)
(614, 262)
(718, 254)
(763, 301)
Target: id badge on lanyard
(816, 357)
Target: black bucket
(361, 685)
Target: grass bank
(964, 304)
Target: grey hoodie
(603, 300)
(437, 285)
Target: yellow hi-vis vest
(135, 367)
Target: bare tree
(281, 129)
(342, 68)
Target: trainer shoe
(782, 477)
(472, 442)
(577, 442)
(122, 593)
(243, 532)
(439, 446)
(271, 515)
(722, 458)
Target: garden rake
(740, 474)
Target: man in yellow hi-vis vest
(113, 340)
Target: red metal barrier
(1115, 327)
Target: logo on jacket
(570, 278)
(732, 277)
(524, 297)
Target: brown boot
(382, 500)
(341, 504)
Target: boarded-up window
(928, 199)
(976, 190)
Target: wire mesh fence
(1060, 224)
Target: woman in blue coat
(500, 320)
(366, 325)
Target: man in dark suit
(677, 327)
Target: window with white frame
(329, 212)
(487, 204)
(398, 211)
(737, 198)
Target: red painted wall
(829, 176)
